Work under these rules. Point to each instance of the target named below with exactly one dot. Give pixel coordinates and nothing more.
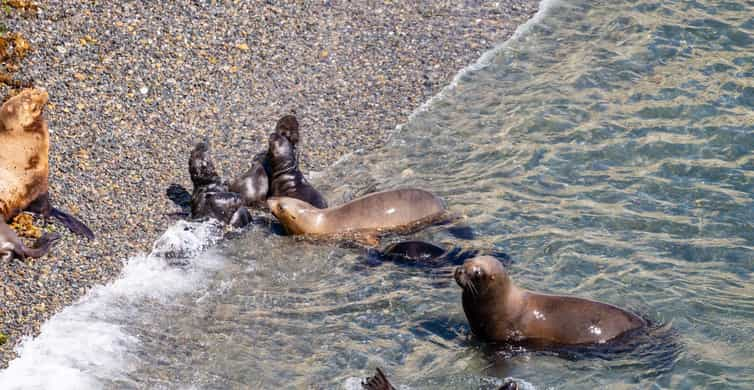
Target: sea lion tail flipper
(241, 218)
(41, 247)
(72, 223)
(377, 382)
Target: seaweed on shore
(26, 6)
(3, 338)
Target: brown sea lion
(287, 180)
(24, 160)
(11, 246)
(368, 215)
(211, 197)
(499, 311)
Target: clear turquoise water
(607, 150)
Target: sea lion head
(287, 126)
(24, 110)
(297, 216)
(201, 167)
(282, 155)
(481, 274)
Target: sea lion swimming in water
(287, 180)
(211, 197)
(11, 246)
(499, 311)
(24, 161)
(368, 215)
(380, 382)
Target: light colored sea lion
(24, 161)
(368, 215)
(24, 151)
(11, 246)
(499, 311)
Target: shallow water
(607, 149)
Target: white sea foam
(86, 340)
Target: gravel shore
(135, 84)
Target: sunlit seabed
(607, 149)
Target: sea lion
(24, 161)
(286, 179)
(211, 197)
(380, 382)
(253, 186)
(499, 311)
(414, 250)
(287, 126)
(367, 216)
(11, 246)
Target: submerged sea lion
(211, 197)
(499, 311)
(369, 215)
(24, 161)
(379, 382)
(11, 246)
(287, 179)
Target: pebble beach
(134, 85)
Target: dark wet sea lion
(24, 161)
(211, 197)
(288, 127)
(380, 382)
(253, 186)
(287, 180)
(369, 215)
(377, 382)
(414, 250)
(499, 311)
(11, 246)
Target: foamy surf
(86, 341)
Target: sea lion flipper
(41, 247)
(72, 223)
(377, 382)
(509, 385)
(240, 218)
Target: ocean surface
(606, 149)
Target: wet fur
(287, 180)
(363, 219)
(211, 197)
(499, 311)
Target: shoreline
(133, 87)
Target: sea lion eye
(476, 272)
